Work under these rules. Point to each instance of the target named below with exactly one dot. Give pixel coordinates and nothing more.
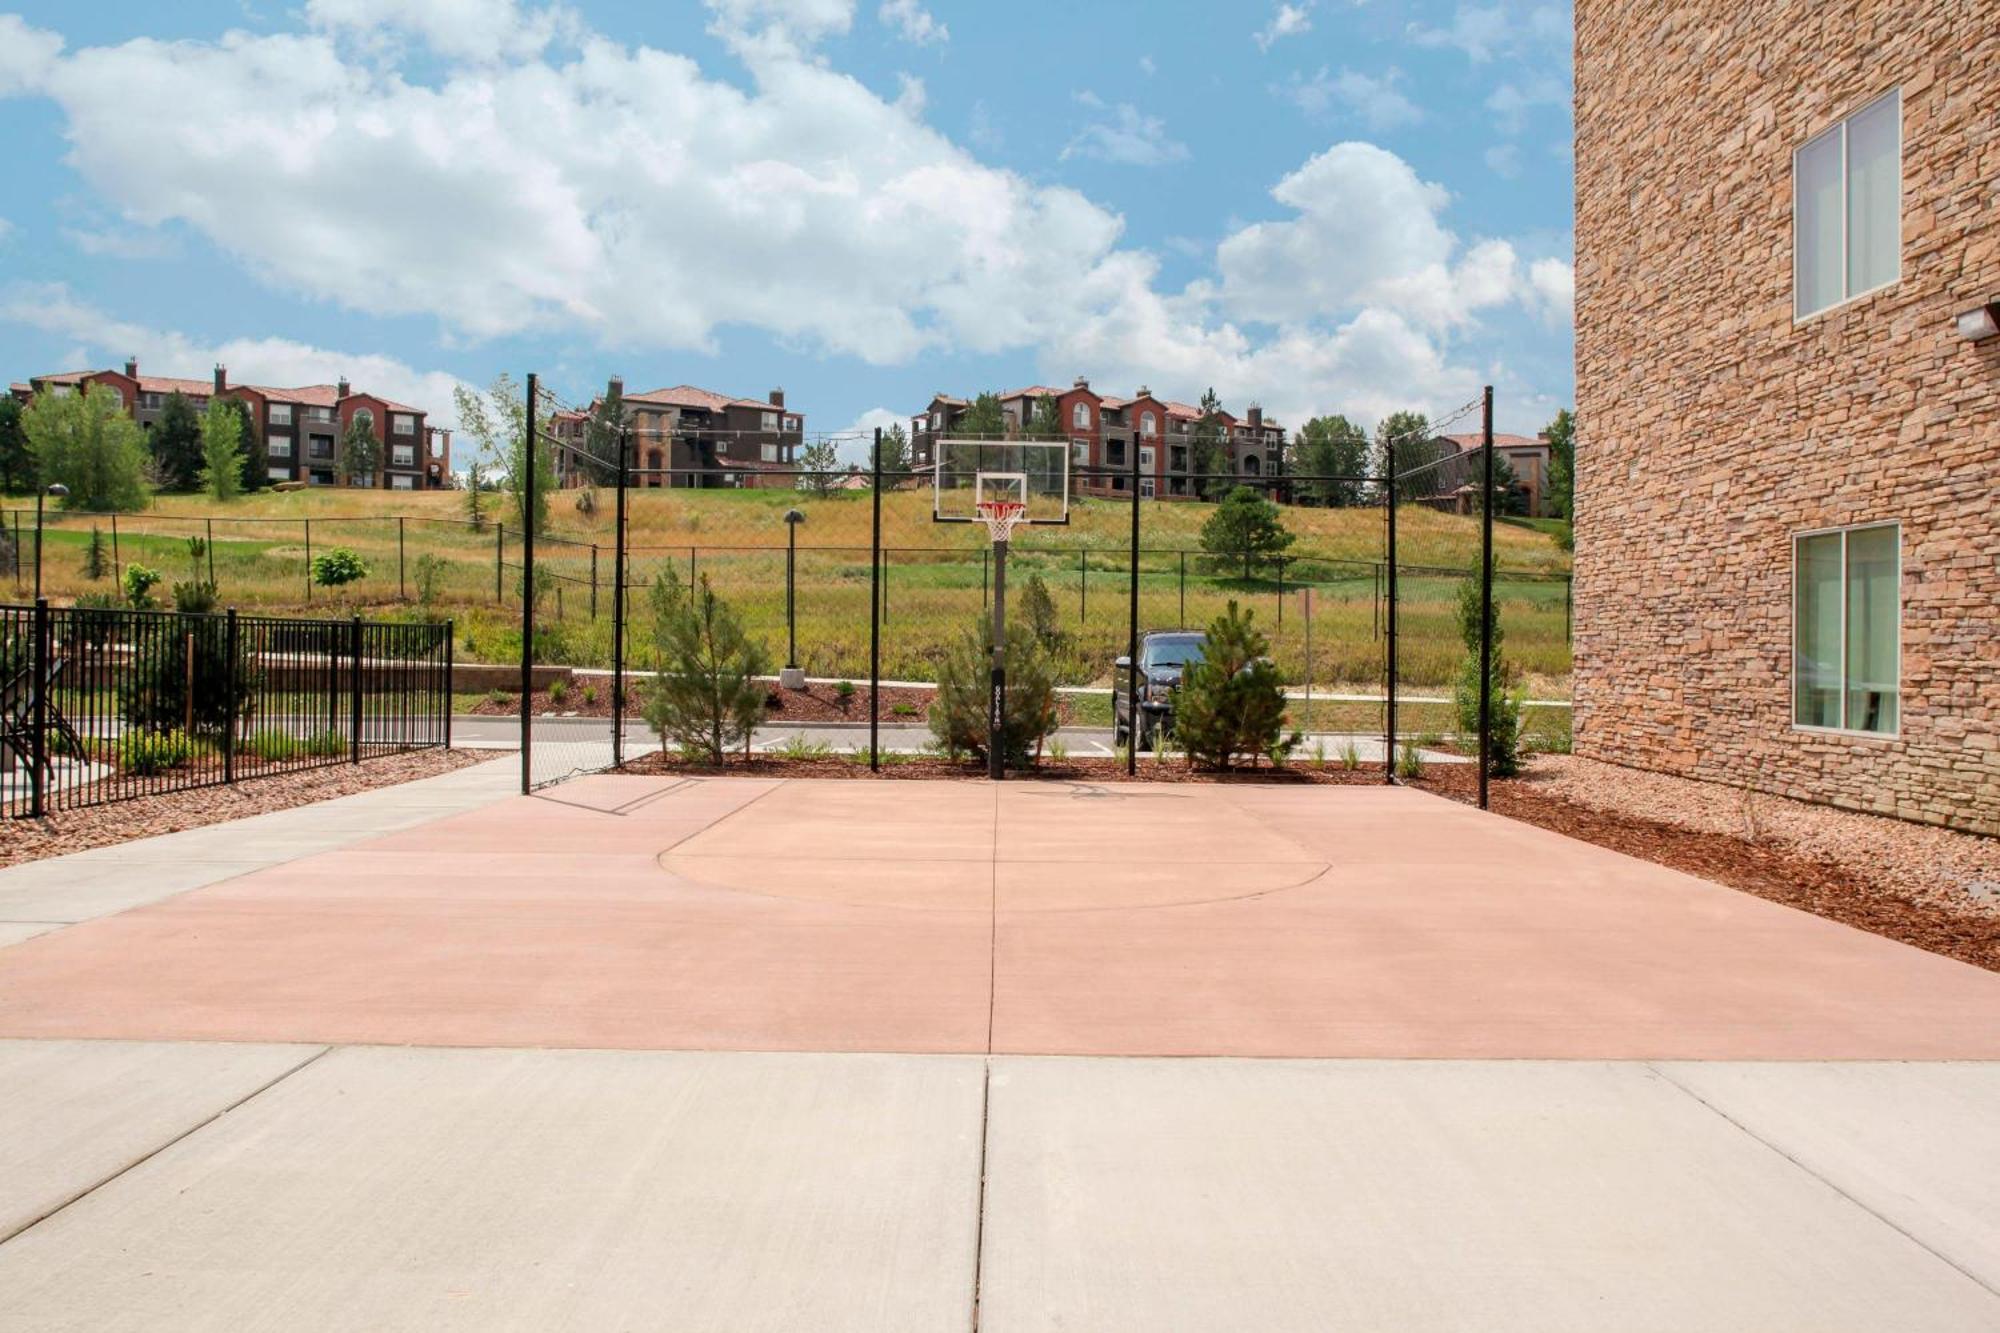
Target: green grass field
(937, 576)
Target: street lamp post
(60, 491)
(792, 677)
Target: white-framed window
(1148, 425)
(1847, 630)
(1145, 460)
(770, 453)
(1252, 465)
(320, 414)
(794, 423)
(152, 400)
(1079, 451)
(1146, 488)
(281, 414)
(278, 446)
(403, 483)
(770, 421)
(403, 455)
(937, 421)
(1080, 416)
(402, 423)
(1847, 208)
(278, 473)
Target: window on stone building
(1846, 630)
(1847, 199)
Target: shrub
(1350, 756)
(146, 752)
(1245, 530)
(169, 685)
(1411, 764)
(843, 693)
(589, 696)
(429, 574)
(138, 583)
(797, 746)
(958, 716)
(1038, 610)
(338, 568)
(96, 556)
(197, 598)
(1232, 702)
(705, 699)
(558, 691)
(1504, 706)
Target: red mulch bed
(1810, 885)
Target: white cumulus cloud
(1124, 135)
(913, 21)
(26, 55)
(1376, 101)
(1289, 20)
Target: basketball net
(1000, 516)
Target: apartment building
(1788, 372)
(690, 437)
(1459, 475)
(1106, 431)
(297, 431)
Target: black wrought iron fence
(103, 704)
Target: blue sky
(1321, 205)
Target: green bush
(198, 598)
(148, 752)
(1232, 702)
(958, 715)
(706, 698)
(429, 574)
(338, 568)
(138, 583)
(1038, 610)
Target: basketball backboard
(1032, 473)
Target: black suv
(1163, 656)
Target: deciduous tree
(87, 442)
(17, 464)
(1331, 446)
(222, 449)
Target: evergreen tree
(475, 495)
(17, 464)
(1211, 447)
(1411, 432)
(1245, 530)
(87, 442)
(1331, 447)
(256, 471)
(1503, 706)
(959, 716)
(1047, 423)
(359, 456)
(222, 449)
(96, 557)
(175, 442)
(1562, 465)
(706, 698)
(603, 437)
(983, 420)
(1231, 703)
(895, 452)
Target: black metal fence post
(354, 669)
(618, 605)
(38, 748)
(1389, 611)
(593, 580)
(1183, 615)
(208, 546)
(230, 685)
(450, 696)
(117, 571)
(309, 558)
(875, 610)
(1083, 587)
(1486, 599)
(1133, 728)
(528, 446)
(499, 563)
(400, 593)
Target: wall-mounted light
(1980, 323)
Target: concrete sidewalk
(374, 1188)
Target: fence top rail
(343, 624)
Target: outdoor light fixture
(793, 677)
(1980, 323)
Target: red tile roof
(705, 400)
(1499, 441)
(1032, 391)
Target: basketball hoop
(1000, 516)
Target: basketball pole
(996, 764)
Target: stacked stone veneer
(1712, 427)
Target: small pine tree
(176, 445)
(1232, 702)
(1244, 531)
(96, 557)
(706, 699)
(959, 718)
(17, 461)
(475, 495)
(359, 457)
(1038, 611)
(1503, 745)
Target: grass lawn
(420, 549)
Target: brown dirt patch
(145, 816)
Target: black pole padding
(1486, 603)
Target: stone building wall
(1712, 427)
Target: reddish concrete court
(1019, 918)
